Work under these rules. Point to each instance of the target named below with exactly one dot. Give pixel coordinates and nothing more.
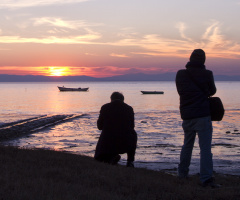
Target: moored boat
(63, 89)
(152, 92)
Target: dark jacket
(193, 101)
(116, 120)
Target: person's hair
(198, 55)
(117, 96)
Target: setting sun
(59, 71)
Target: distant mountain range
(127, 77)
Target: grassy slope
(42, 174)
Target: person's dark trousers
(202, 126)
(132, 148)
(105, 158)
(131, 155)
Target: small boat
(152, 92)
(62, 89)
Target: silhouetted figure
(195, 112)
(116, 120)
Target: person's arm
(212, 88)
(100, 120)
(179, 80)
(132, 119)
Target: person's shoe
(211, 183)
(115, 160)
(130, 164)
(182, 176)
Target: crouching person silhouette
(116, 120)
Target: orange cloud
(212, 41)
(29, 3)
(105, 71)
(81, 39)
(119, 55)
(45, 71)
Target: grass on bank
(51, 175)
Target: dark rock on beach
(28, 126)
(228, 132)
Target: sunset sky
(102, 38)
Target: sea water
(157, 121)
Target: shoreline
(172, 172)
(46, 174)
(158, 148)
(122, 164)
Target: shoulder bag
(216, 105)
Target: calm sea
(157, 119)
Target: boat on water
(63, 89)
(152, 92)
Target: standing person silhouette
(195, 112)
(116, 120)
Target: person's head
(198, 55)
(117, 96)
